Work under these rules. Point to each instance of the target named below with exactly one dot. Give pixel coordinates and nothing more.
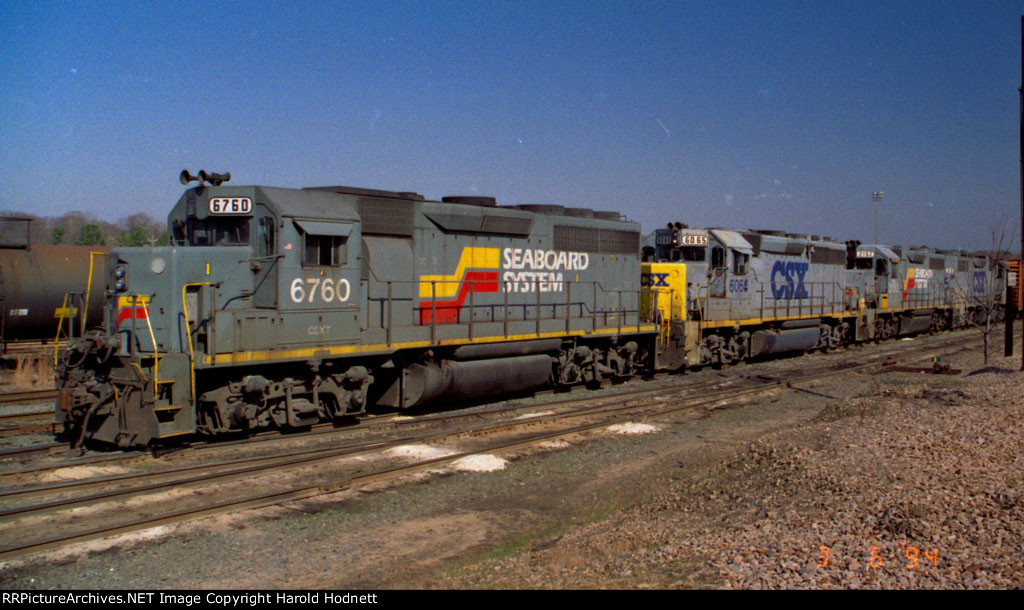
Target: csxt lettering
(788, 280)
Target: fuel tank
(452, 379)
(777, 341)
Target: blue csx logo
(654, 280)
(790, 281)
(979, 282)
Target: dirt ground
(894, 480)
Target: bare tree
(984, 297)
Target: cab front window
(212, 232)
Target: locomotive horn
(214, 179)
(185, 177)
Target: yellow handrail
(88, 289)
(60, 323)
(156, 356)
(188, 333)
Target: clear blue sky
(784, 115)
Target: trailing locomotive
(730, 295)
(281, 307)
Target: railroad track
(491, 437)
(330, 428)
(26, 396)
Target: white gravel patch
(532, 415)
(81, 472)
(479, 463)
(96, 546)
(418, 452)
(633, 428)
(555, 444)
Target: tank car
(282, 307)
(35, 279)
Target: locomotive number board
(230, 205)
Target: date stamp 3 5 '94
(875, 557)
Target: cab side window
(265, 245)
(718, 257)
(324, 250)
(740, 262)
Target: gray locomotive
(281, 307)
(731, 295)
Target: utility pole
(877, 197)
(1020, 93)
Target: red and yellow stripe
(476, 272)
(125, 312)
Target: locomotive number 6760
(327, 289)
(230, 205)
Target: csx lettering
(319, 330)
(788, 280)
(654, 280)
(979, 282)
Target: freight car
(281, 307)
(35, 279)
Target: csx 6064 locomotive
(730, 295)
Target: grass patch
(509, 547)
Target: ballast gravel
(891, 480)
(919, 486)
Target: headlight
(119, 271)
(120, 285)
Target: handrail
(156, 356)
(88, 288)
(188, 333)
(60, 324)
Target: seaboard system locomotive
(277, 307)
(280, 307)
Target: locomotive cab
(238, 265)
(875, 266)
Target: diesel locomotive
(282, 307)
(731, 295)
(277, 307)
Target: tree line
(81, 229)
